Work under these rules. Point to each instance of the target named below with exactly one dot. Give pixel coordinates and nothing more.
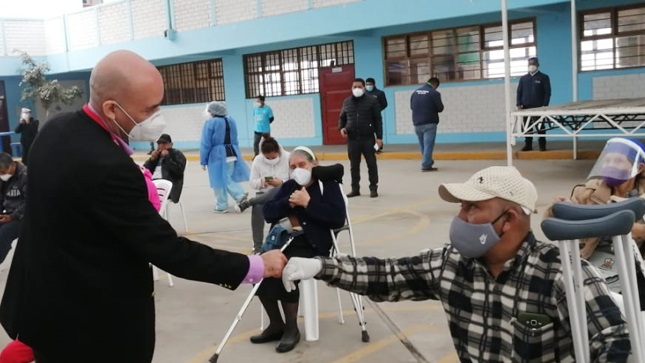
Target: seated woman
(314, 211)
(617, 174)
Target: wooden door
(335, 85)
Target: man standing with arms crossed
(360, 120)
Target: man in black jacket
(360, 120)
(27, 128)
(13, 191)
(168, 163)
(426, 105)
(80, 287)
(371, 90)
(534, 90)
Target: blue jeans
(8, 232)
(427, 134)
(233, 188)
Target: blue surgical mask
(473, 240)
(369, 88)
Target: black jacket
(324, 212)
(426, 104)
(172, 168)
(80, 287)
(13, 193)
(361, 117)
(28, 131)
(380, 97)
(533, 90)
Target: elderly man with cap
(534, 90)
(490, 277)
(220, 153)
(168, 163)
(80, 287)
(28, 129)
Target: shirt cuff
(256, 270)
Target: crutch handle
(619, 223)
(576, 212)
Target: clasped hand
(299, 198)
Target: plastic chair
(181, 208)
(163, 190)
(574, 222)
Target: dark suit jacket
(172, 168)
(324, 212)
(80, 287)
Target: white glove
(300, 269)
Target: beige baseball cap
(503, 182)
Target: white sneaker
(222, 211)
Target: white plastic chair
(163, 190)
(181, 208)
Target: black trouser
(25, 151)
(541, 130)
(365, 147)
(257, 136)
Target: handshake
(276, 265)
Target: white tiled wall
(322, 3)
(184, 123)
(54, 35)
(114, 17)
(82, 31)
(467, 109)
(232, 11)
(24, 35)
(612, 87)
(275, 7)
(148, 18)
(192, 14)
(294, 118)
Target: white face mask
(358, 92)
(272, 162)
(533, 68)
(5, 177)
(301, 176)
(147, 130)
(257, 104)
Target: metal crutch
(238, 317)
(568, 232)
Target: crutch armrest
(619, 223)
(575, 212)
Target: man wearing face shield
(28, 129)
(81, 272)
(618, 173)
(494, 279)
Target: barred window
(612, 38)
(292, 71)
(466, 53)
(193, 82)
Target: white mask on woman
(301, 176)
(272, 162)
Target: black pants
(364, 147)
(8, 232)
(257, 136)
(25, 146)
(541, 130)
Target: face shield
(619, 161)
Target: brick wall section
(323, 3)
(184, 123)
(192, 14)
(82, 30)
(276, 7)
(114, 23)
(25, 35)
(613, 87)
(148, 18)
(232, 11)
(294, 118)
(467, 109)
(54, 35)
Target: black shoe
(527, 147)
(266, 337)
(354, 193)
(542, 147)
(242, 206)
(287, 343)
(429, 169)
(373, 193)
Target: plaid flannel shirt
(483, 311)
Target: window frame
(482, 49)
(614, 34)
(182, 89)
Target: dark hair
(269, 145)
(370, 80)
(359, 80)
(434, 81)
(261, 98)
(5, 160)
